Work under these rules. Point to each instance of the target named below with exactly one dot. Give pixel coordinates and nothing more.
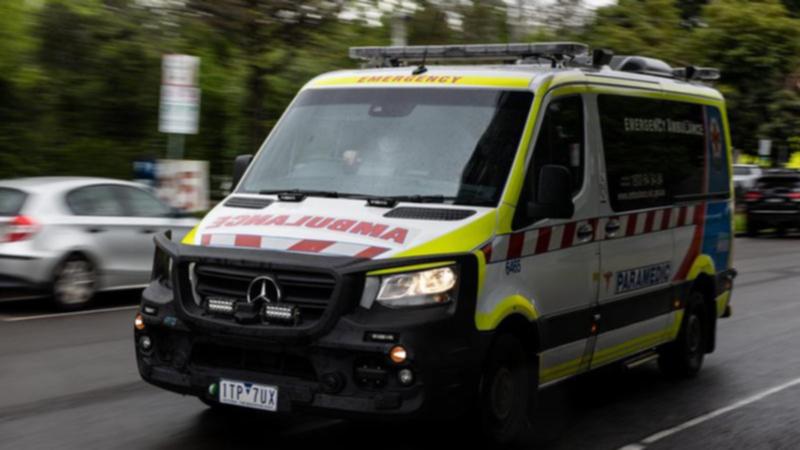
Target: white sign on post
(764, 147)
(180, 96)
(183, 184)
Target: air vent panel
(410, 212)
(248, 202)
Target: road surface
(70, 381)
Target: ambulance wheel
(506, 386)
(74, 283)
(683, 358)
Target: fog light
(145, 343)
(333, 382)
(406, 377)
(138, 323)
(398, 354)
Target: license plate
(249, 395)
(774, 200)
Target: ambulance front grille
(310, 292)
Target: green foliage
(428, 25)
(756, 45)
(639, 27)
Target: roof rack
(556, 52)
(697, 73)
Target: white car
(71, 237)
(745, 176)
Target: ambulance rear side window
(655, 151)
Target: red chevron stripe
(568, 236)
(515, 243)
(665, 218)
(648, 221)
(310, 246)
(370, 252)
(247, 240)
(631, 229)
(544, 240)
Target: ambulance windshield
(455, 143)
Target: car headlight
(427, 287)
(162, 267)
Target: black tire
(683, 358)
(507, 387)
(74, 283)
(752, 227)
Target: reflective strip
(438, 80)
(560, 237)
(292, 245)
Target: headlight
(427, 287)
(162, 267)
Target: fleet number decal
(643, 277)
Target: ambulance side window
(654, 150)
(560, 141)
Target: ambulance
(450, 229)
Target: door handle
(95, 230)
(612, 228)
(585, 232)
(147, 231)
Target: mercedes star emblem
(263, 288)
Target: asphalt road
(70, 381)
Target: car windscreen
(11, 201)
(454, 143)
(779, 183)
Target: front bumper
(337, 369)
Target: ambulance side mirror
(553, 194)
(240, 165)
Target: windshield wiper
(386, 201)
(389, 201)
(298, 195)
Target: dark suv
(774, 202)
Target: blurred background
(80, 80)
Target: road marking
(706, 417)
(67, 314)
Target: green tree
(269, 35)
(639, 27)
(428, 25)
(484, 21)
(756, 45)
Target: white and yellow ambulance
(432, 239)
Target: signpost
(180, 100)
(183, 184)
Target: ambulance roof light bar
(556, 52)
